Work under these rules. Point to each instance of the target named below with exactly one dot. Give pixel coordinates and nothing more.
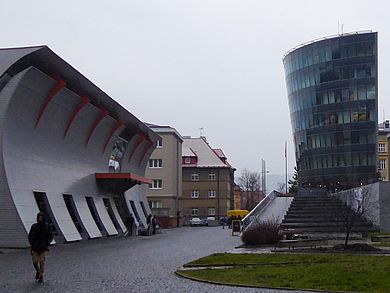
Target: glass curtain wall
(332, 94)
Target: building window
(194, 177)
(156, 184)
(155, 163)
(211, 176)
(194, 193)
(187, 160)
(159, 143)
(381, 147)
(194, 212)
(211, 212)
(156, 204)
(212, 193)
(382, 164)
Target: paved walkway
(136, 264)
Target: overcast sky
(192, 64)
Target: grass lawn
(329, 272)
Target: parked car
(211, 221)
(197, 222)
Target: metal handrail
(264, 202)
(325, 38)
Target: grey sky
(191, 64)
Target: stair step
(320, 214)
(334, 229)
(323, 224)
(314, 207)
(316, 202)
(318, 220)
(316, 211)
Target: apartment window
(156, 184)
(155, 163)
(211, 176)
(159, 143)
(212, 193)
(381, 147)
(211, 212)
(194, 212)
(194, 177)
(187, 160)
(156, 204)
(382, 164)
(194, 193)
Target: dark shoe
(40, 279)
(36, 276)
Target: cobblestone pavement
(135, 264)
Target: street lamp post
(263, 177)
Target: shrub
(264, 232)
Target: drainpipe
(218, 194)
(178, 165)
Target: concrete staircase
(322, 216)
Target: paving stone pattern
(135, 264)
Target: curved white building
(66, 149)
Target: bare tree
(358, 204)
(281, 187)
(249, 181)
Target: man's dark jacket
(40, 235)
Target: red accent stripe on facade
(139, 140)
(84, 101)
(57, 87)
(131, 176)
(103, 113)
(115, 128)
(150, 144)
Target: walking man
(224, 222)
(149, 223)
(130, 224)
(40, 237)
(154, 224)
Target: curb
(187, 266)
(179, 274)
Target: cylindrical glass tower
(332, 90)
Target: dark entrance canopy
(119, 182)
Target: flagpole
(285, 157)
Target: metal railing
(253, 214)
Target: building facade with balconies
(165, 171)
(208, 180)
(383, 150)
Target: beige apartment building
(383, 153)
(165, 171)
(208, 180)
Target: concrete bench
(302, 243)
(380, 238)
